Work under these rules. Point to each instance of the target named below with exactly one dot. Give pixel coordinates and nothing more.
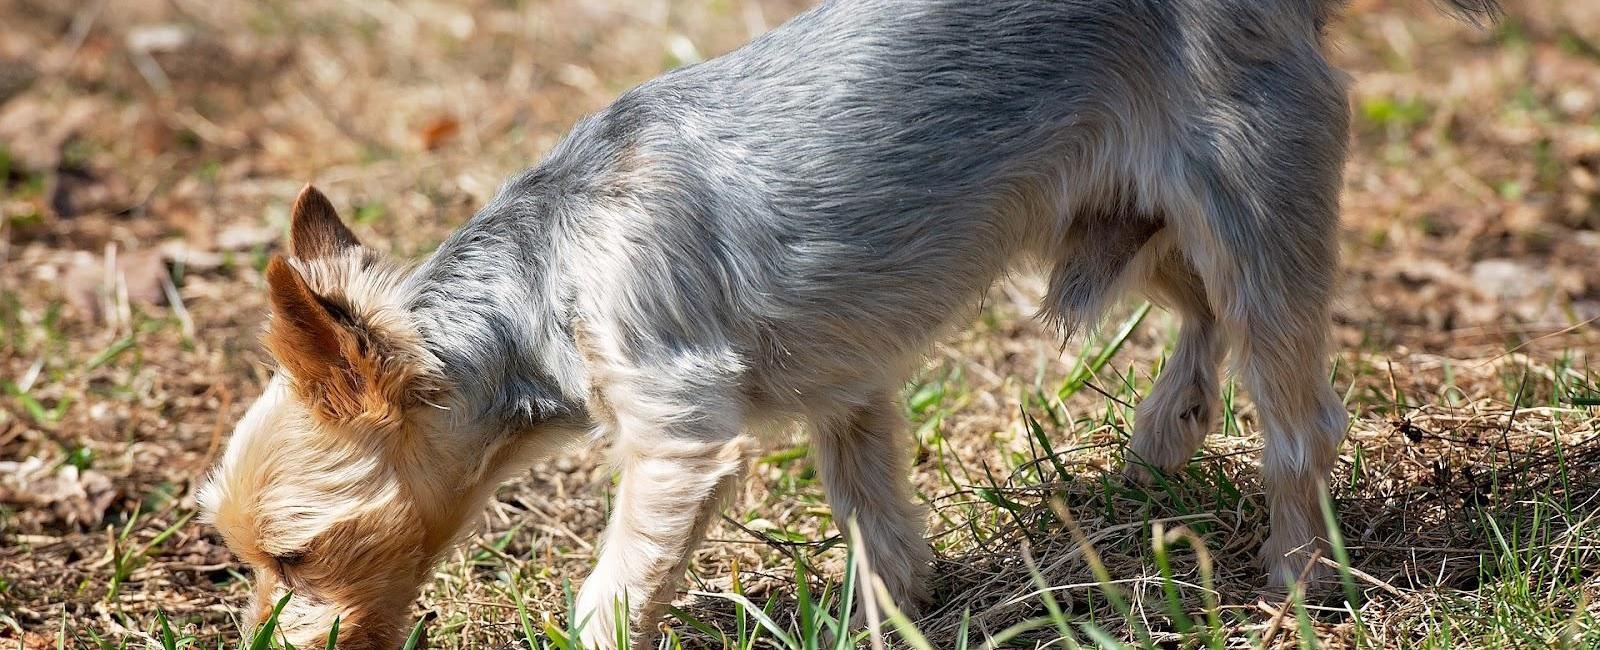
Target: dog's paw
(1289, 564)
(1170, 425)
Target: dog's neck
(490, 308)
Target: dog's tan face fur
(337, 485)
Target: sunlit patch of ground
(148, 152)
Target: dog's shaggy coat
(778, 235)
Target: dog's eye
(284, 564)
(290, 560)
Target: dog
(778, 235)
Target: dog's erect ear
(307, 339)
(315, 229)
(332, 364)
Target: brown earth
(149, 151)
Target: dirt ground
(149, 150)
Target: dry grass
(148, 151)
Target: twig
(1109, 396)
(1367, 577)
(175, 301)
(1299, 584)
(1518, 347)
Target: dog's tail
(1477, 12)
(1473, 11)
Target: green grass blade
(961, 632)
(1004, 637)
(1063, 626)
(1169, 586)
(1049, 450)
(555, 636)
(806, 609)
(1102, 638)
(116, 349)
(415, 638)
(262, 640)
(902, 624)
(691, 621)
(758, 613)
(1342, 556)
(1087, 370)
(169, 641)
(333, 635)
(847, 598)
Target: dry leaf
(439, 130)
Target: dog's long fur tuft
(1476, 12)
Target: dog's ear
(315, 229)
(333, 363)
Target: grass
(1466, 493)
(1148, 578)
(820, 619)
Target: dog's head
(341, 486)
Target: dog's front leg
(671, 487)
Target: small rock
(158, 38)
(1506, 279)
(246, 237)
(73, 496)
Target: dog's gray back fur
(779, 233)
(848, 184)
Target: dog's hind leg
(1175, 417)
(864, 465)
(1279, 314)
(1267, 246)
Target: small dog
(778, 235)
